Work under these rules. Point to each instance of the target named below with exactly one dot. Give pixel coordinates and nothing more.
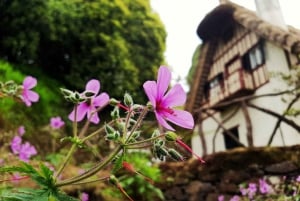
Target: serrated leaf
(43, 178)
(118, 163)
(24, 194)
(46, 172)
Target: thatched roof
(219, 24)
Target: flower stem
(144, 141)
(92, 181)
(126, 124)
(68, 157)
(92, 171)
(75, 121)
(137, 124)
(139, 146)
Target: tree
(119, 42)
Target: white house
(240, 51)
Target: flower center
(161, 108)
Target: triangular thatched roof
(220, 23)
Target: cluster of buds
(10, 88)
(74, 96)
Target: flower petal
(93, 117)
(29, 82)
(181, 118)
(93, 86)
(163, 122)
(150, 89)
(81, 111)
(100, 100)
(32, 96)
(176, 96)
(163, 81)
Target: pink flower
(21, 130)
(221, 198)
(84, 197)
(28, 96)
(264, 187)
(164, 104)
(56, 122)
(235, 198)
(15, 144)
(89, 107)
(26, 151)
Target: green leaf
(118, 163)
(44, 178)
(24, 194)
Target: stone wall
(224, 171)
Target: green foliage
(195, 60)
(43, 177)
(17, 113)
(120, 42)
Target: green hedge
(50, 104)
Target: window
(216, 81)
(254, 58)
(229, 142)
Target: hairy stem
(92, 171)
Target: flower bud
(128, 101)
(159, 143)
(113, 179)
(109, 130)
(115, 113)
(155, 133)
(88, 94)
(175, 155)
(149, 106)
(113, 136)
(162, 151)
(120, 125)
(136, 134)
(66, 92)
(171, 136)
(77, 96)
(113, 102)
(137, 107)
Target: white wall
(262, 123)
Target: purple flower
(235, 198)
(264, 187)
(252, 190)
(84, 197)
(298, 179)
(164, 104)
(28, 96)
(89, 107)
(26, 151)
(243, 191)
(21, 130)
(15, 144)
(56, 122)
(221, 198)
